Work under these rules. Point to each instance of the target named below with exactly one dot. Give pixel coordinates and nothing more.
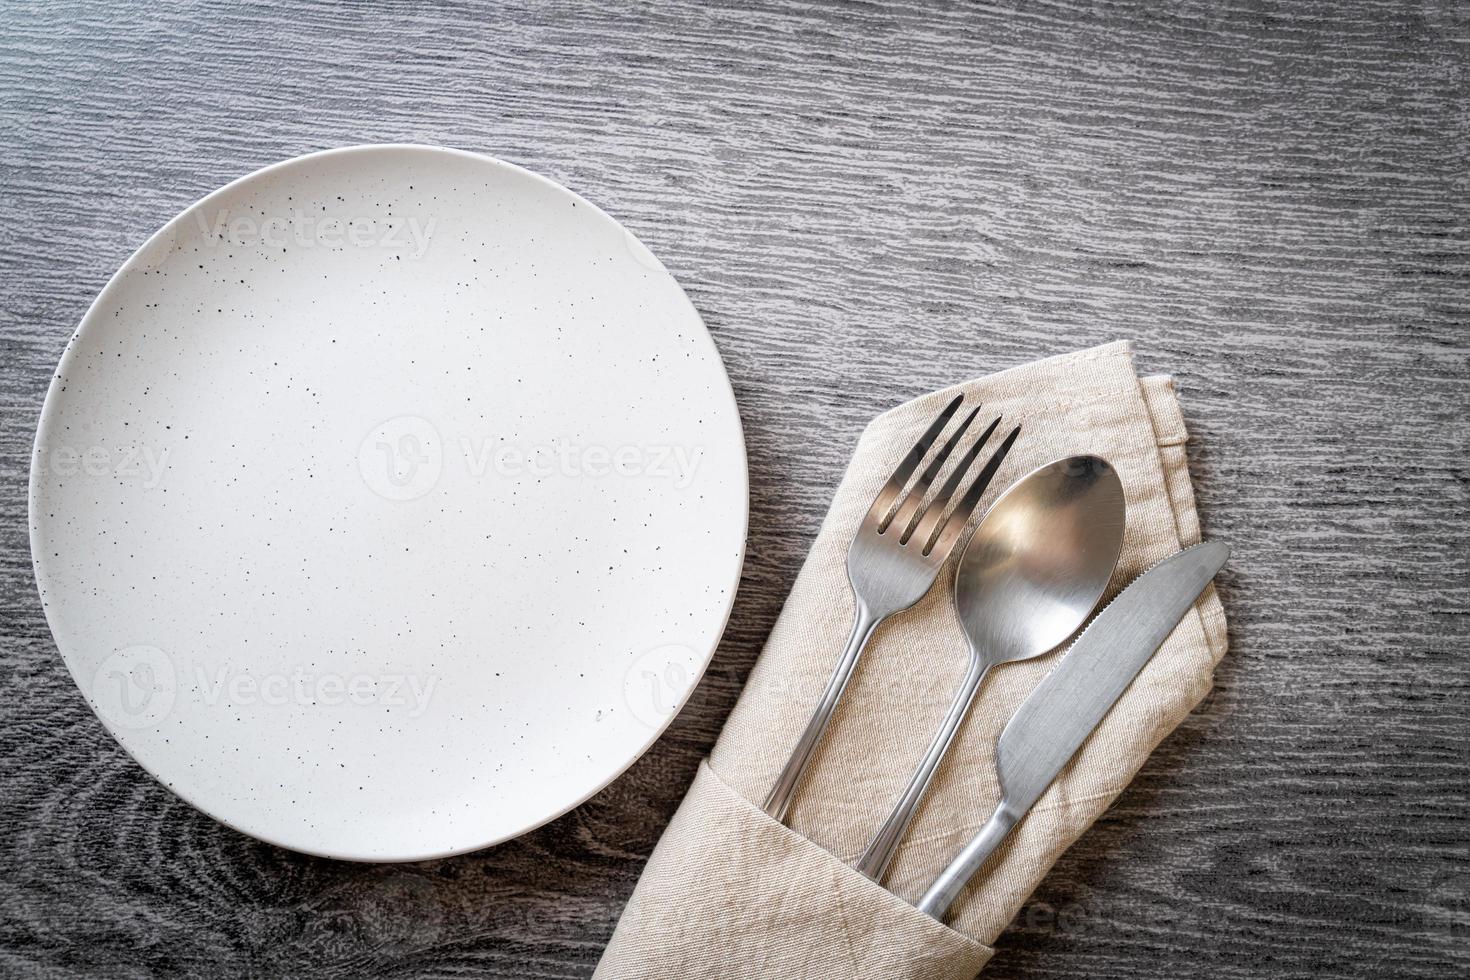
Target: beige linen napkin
(729, 892)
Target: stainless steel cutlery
(894, 559)
(1059, 715)
(1029, 577)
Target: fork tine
(933, 515)
(889, 494)
(909, 510)
(954, 525)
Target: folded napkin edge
(1113, 349)
(845, 878)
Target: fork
(893, 561)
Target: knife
(1069, 703)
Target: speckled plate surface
(388, 502)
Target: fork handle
(779, 801)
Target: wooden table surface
(865, 201)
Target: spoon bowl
(1040, 560)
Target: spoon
(1031, 573)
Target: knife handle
(953, 879)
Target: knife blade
(1072, 700)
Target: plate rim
(99, 303)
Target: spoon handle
(875, 860)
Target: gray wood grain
(865, 200)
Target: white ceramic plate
(388, 502)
